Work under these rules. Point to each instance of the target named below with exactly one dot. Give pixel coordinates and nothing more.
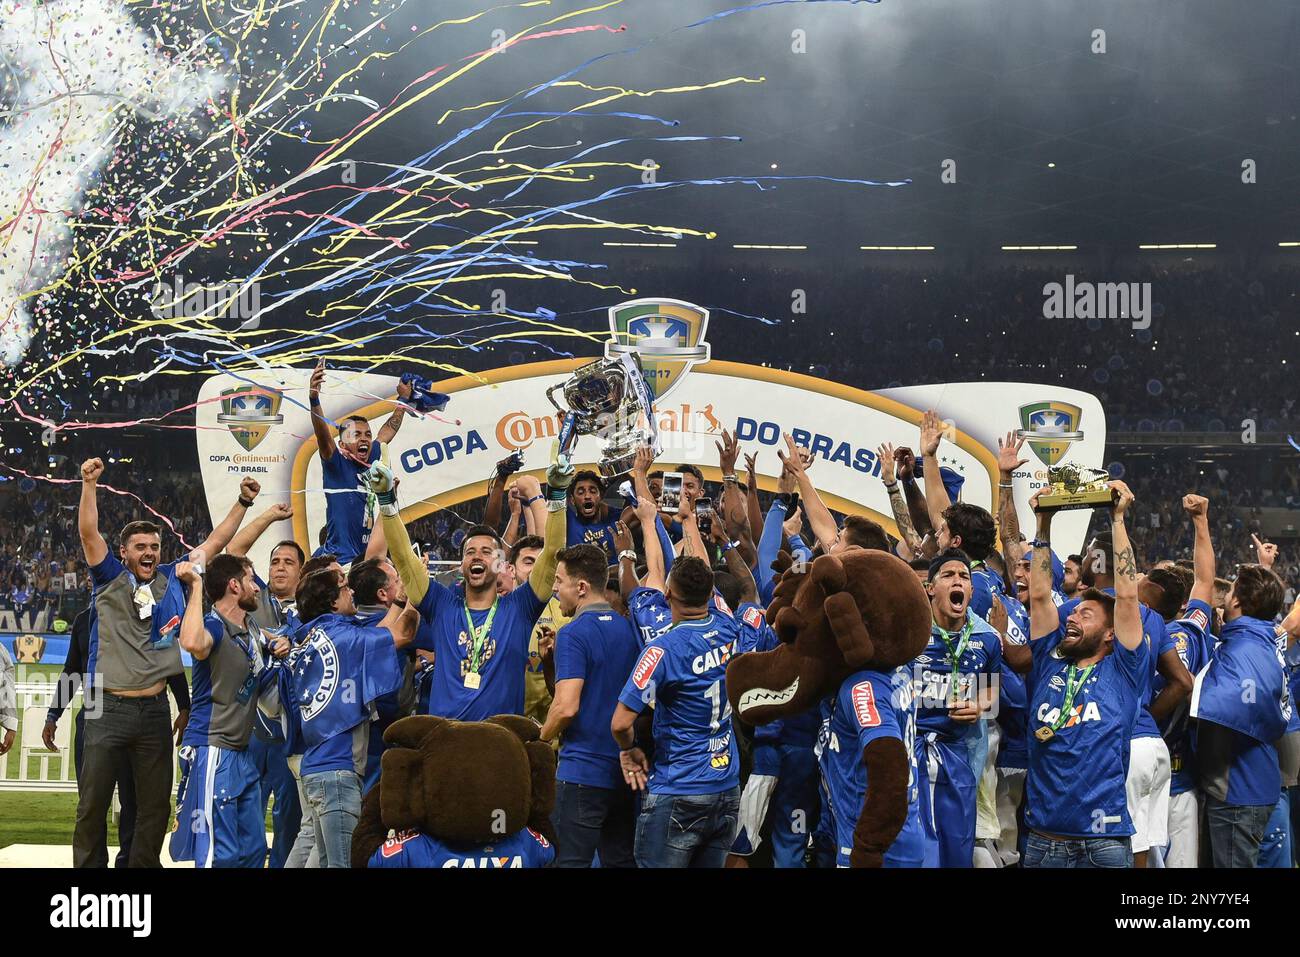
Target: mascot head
(469, 782)
(856, 609)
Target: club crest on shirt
(315, 673)
(489, 649)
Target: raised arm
(558, 477)
(413, 573)
(195, 637)
(215, 543)
(388, 431)
(753, 510)
(819, 516)
(648, 512)
(735, 514)
(247, 536)
(496, 491)
(1198, 508)
(92, 542)
(1128, 614)
(1043, 617)
(736, 563)
(625, 554)
(936, 495)
(1008, 521)
(322, 426)
(909, 541)
(905, 466)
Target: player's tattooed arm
(1128, 615)
(1043, 618)
(910, 545)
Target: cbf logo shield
(666, 334)
(249, 412)
(1050, 427)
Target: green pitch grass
(36, 817)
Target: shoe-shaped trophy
(609, 398)
(1074, 487)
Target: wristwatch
(627, 554)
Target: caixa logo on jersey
(934, 689)
(315, 673)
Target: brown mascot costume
(459, 794)
(854, 610)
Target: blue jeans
(1078, 852)
(590, 819)
(335, 799)
(270, 757)
(1236, 831)
(687, 830)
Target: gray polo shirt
(225, 686)
(272, 613)
(130, 651)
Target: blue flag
(338, 670)
(1243, 687)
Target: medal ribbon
(1071, 689)
(479, 636)
(955, 651)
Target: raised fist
(91, 470)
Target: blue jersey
(338, 670)
(1237, 761)
(599, 533)
(869, 705)
(349, 507)
(599, 647)
(1076, 778)
(503, 657)
(524, 848)
(226, 686)
(932, 676)
(1153, 632)
(1013, 714)
(683, 673)
(649, 611)
(1189, 637)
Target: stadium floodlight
(645, 245)
(1178, 246)
(763, 246)
(897, 249)
(1286, 245)
(1038, 249)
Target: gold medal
(473, 680)
(1044, 733)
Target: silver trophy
(609, 398)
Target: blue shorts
(948, 790)
(220, 814)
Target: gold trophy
(1074, 487)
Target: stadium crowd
(1069, 710)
